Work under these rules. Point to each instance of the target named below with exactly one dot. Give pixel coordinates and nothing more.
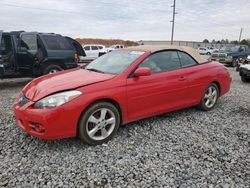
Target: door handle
(182, 78)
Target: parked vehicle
(202, 50)
(245, 72)
(207, 50)
(231, 54)
(115, 47)
(78, 48)
(33, 54)
(93, 51)
(211, 50)
(117, 88)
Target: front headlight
(230, 57)
(57, 99)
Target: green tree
(234, 42)
(245, 42)
(205, 41)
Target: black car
(34, 54)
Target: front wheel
(99, 123)
(210, 98)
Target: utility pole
(240, 34)
(173, 22)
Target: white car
(115, 47)
(93, 51)
(211, 50)
(202, 50)
(206, 50)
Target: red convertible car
(118, 88)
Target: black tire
(243, 79)
(238, 68)
(202, 105)
(208, 53)
(83, 122)
(52, 68)
(234, 63)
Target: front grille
(219, 55)
(23, 100)
(222, 55)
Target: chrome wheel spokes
(211, 96)
(101, 124)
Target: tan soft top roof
(156, 48)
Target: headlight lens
(230, 57)
(57, 99)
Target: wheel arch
(46, 63)
(109, 100)
(218, 84)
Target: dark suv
(34, 54)
(230, 54)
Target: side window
(29, 42)
(55, 42)
(94, 47)
(87, 48)
(162, 61)
(100, 47)
(186, 60)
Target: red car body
(135, 97)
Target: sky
(129, 19)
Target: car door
(27, 50)
(162, 91)
(78, 48)
(196, 78)
(87, 51)
(95, 51)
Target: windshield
(230, 49)
(114, 62)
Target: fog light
(37, 127)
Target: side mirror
(142, 71)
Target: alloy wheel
(211, 96)
(100, 124)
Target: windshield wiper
(95, 70)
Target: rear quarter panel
(200, 76)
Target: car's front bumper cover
(48, 124)
(222, 60)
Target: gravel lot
(188, 148)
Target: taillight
(76, 59)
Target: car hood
(65, 80)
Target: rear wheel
(210, 98)
(52, 68)
(99, 123)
